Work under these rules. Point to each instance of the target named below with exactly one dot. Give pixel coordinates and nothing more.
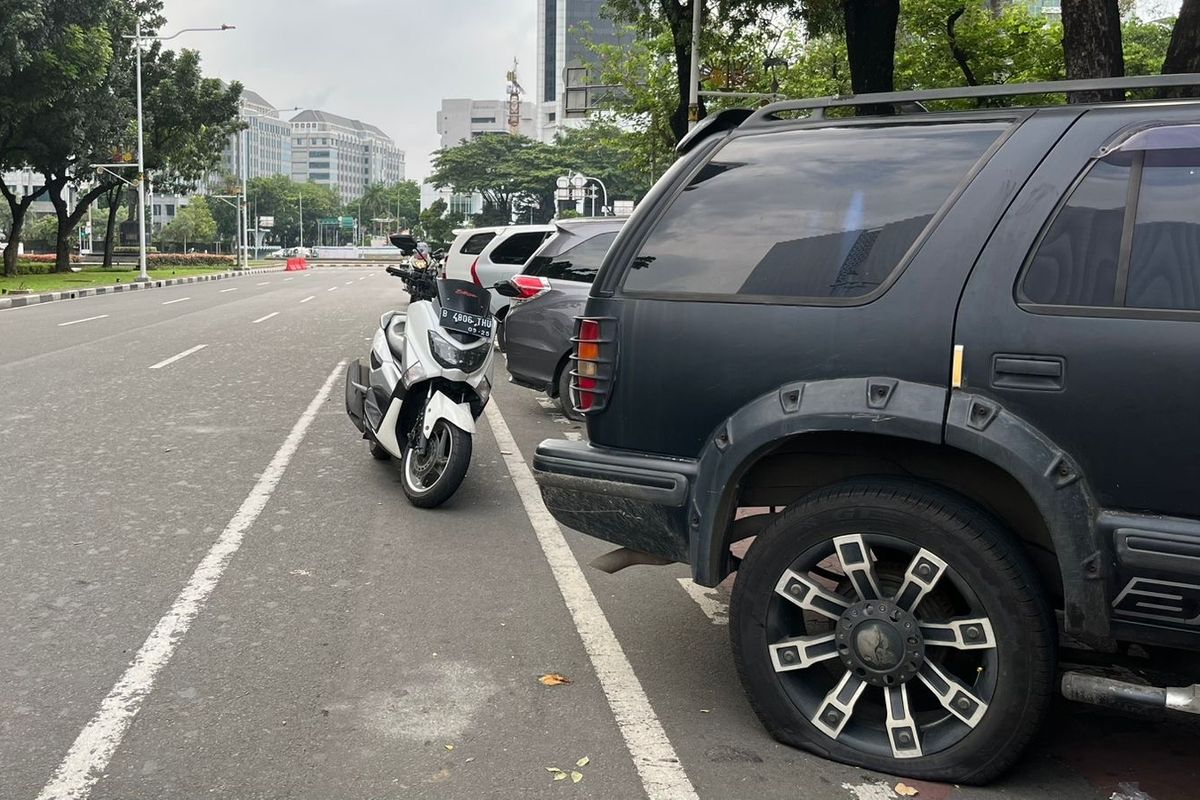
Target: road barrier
(294, 264)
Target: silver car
(546, 297)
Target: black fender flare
(884, 406)
(910, 410)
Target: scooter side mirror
(404, 242)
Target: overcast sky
(387, 62)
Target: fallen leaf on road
(553, 679)
(449, 746)
(706, 711)
(904, 790)
(469, 760)
(553, 769)
(560, 776)
(576, 777)
(583, 762)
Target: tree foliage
(436, 225)
(193, 223)
(279, 196)
(399, 203)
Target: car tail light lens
(529, 287)
(474, 274)
(594, 359)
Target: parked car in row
(941, 367)
(487, 255)
(546, 298)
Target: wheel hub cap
(880, 642)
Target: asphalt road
(346, 645)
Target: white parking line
(331, 289)
(233, 289)
(710, 601)
(180, 300)
(96, 743)
(310, 297)
(77, 321)
(264, 319)
(663, 777)
(175, 358)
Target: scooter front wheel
(431, 476)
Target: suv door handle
(1031, 373)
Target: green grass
(57, 282)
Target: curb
(75, 294)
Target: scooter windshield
(464, 296)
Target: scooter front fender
(442, 407)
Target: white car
(502, 253)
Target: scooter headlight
(451, 357)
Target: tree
(279, 196)
(500, 167)
(1183, 53)
(400, 202)
(194, 221)
(437, 226)
(871, 46)
(674, 18)
(50, 50)
(1092, 45)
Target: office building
(565, 27)
(461, 119)
(346, 154)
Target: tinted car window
(474, 245)
(517, 249)
(1164, 263)
(579, 263)
(1076, 262)
(826, 213)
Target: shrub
(188, 260)
(46, 258)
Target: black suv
(945, 369)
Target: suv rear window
(580, 263)
(516, 249)
(825, 213)
(474, 245)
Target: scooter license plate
(471, 324)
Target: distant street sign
(328, 221)
(347, 222)
(266, 222)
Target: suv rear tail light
(529, 287)
(474, 274)
(595, 348)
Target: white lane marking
(347, 283)
(232, 289)
(285, 280)
(663, 777)
(310, 297)
(180, 300)
(264, 283)
(96, 743)
(870, 791)
(77, 321)
(175, 358)
(331, 289)
(264, 319)
(364, 277)
(709, 600)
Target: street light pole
(302, 219)
(245, 224)
(694, 87)
(141, 179)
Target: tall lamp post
(244, 141)
(141, 176)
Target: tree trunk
(62, 248)
(871, 47)
(18, 209)
(1183, 54)
(1092, 45)
(114, 208)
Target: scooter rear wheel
(431, 477)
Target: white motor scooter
(429, 378)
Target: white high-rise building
(347, 154)
(461, 119)
(564, 29)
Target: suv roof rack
(819, 104)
